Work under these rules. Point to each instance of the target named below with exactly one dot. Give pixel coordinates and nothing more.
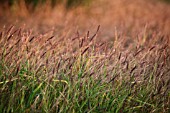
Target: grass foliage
(45, 73)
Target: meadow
(86, 59)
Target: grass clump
(56, 74)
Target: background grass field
(99, 56)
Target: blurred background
(128, 17)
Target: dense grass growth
(62, 74)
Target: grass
(56, 74)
